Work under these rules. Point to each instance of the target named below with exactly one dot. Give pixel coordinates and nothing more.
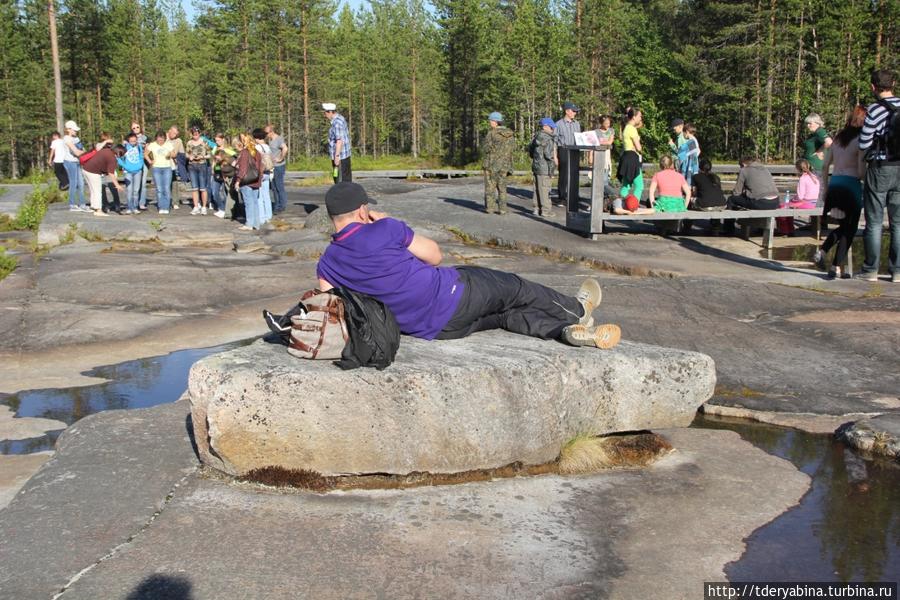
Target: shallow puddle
(133, 384)
(846, 527)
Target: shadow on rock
(163, 586)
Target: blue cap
(548, 122)
(495, 116)
(571, 106)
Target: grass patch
(8, 263)
(589, 454)
(323, 179)
(157, 225)
(875, 291)
(389, 162)
(464, 237)
(91, 236)
(744, 392)
(69, 236)
(805, 253)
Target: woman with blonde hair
(674, 191)
(248, 180)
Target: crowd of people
(833, 174)
(241, 178)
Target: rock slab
(878, 435)
(482, 402)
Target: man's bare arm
(425, 249)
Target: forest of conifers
(418, 78)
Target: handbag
(320, 332)
(252, 174)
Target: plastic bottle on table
(787, 200)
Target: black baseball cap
(345, 197)
(676, 122)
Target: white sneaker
(220, 214)
(196, 210)
(163, 212)
(203, 211)
(175, 205)
(589, 295)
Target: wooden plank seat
(743, 216)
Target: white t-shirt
(68, 156)
(59, 150)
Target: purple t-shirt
(374, 259)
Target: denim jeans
(132, 190)
(265, 199)
(278, 187)
(142, 185)
(251, 206)
(162, 178)
(882, 193)
(217, 193)
(76, 183)
(199, 175)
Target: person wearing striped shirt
(567, 184)
(882, 185)
(338, 143)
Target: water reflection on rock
(133, 384)
(846, 528)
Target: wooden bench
(815, 214)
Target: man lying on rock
(374, 254)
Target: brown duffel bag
(322, 331)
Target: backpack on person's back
(890, 137)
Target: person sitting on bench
(374, 254)
(755, 189)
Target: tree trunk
(304, 36)
(795, 130)
(57, 77)
(414, 125)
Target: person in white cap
(74, 149)
(338, 143)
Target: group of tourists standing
(243, 175)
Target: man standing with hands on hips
(566, 128)
(338, 144)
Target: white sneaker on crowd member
(164, 212)
(196, 210)
(220, 214)
(203, 211)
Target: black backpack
(374, 333)
(890, 138)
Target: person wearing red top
(103, 163)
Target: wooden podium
(588, 221)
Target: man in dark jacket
(543, 164)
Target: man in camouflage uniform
(498, 148)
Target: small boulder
(482, 402)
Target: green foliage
(416, 78)
(8, 263)
(34, 207)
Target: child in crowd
(689, 153)
(807, 186)
(56, 159)
(132, 163)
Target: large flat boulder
(444, 406)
